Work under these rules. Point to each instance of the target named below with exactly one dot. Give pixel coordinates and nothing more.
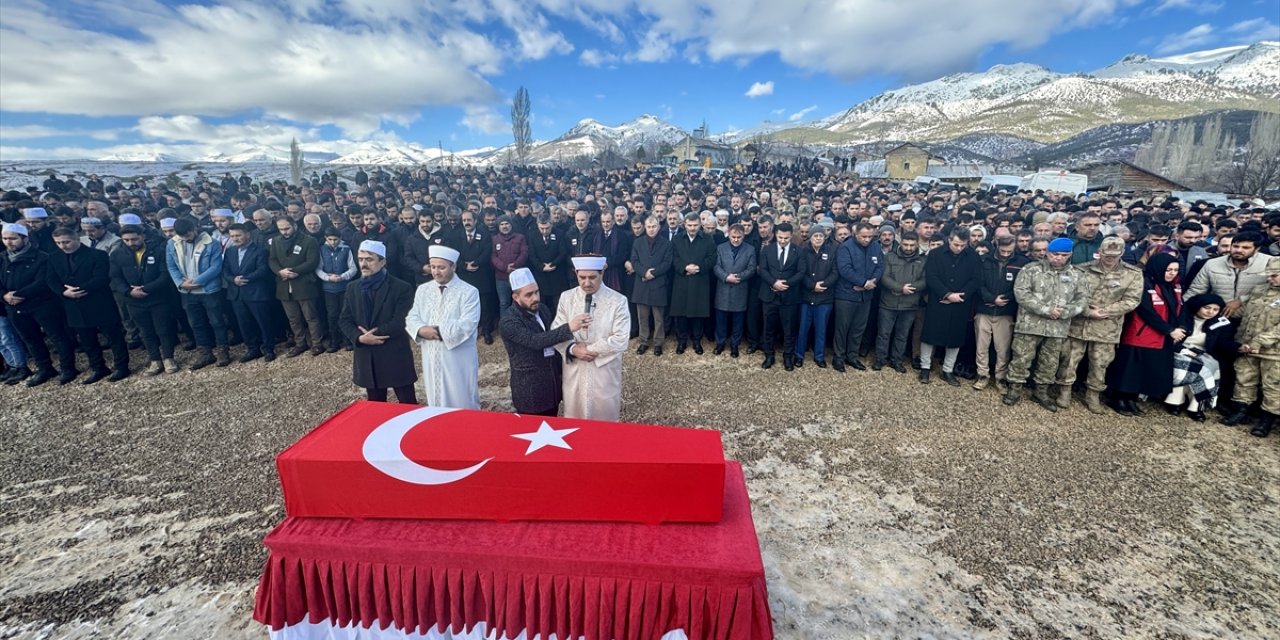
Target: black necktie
(442, 287)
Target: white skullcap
(589, 263)
(417, 207)
(92, 221)
(520, 278)
(374, 247)
(15, 228)
(223, 213)
(130, 218)
(167, 223)
(895, 207)
(35, 212)
(443, 252)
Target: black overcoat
(947, 325)
(90, 270)
(389, 364)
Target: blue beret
(1061, 245)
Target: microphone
(588, 305)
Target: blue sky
(84, 78)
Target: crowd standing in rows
(1125, 299)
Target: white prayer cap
(223, 213)
(167, 223)
(417, 207)
(895, 207)
(35, 212)
(92, 221)
(15, 228)
(520, 278)
(374, 247)
(589, 263)
(443, 252)
(129, 218)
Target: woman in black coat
(1152, 332)
(1197, 364)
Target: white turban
(589, 263)
(374, 247)
(443, 252)
(520, 278)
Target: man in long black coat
(82, 278)
(476, 269)
(953, 277)
(373, 320)
(535, 365)
(32, 308)
(548, 261)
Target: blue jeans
(504, 295)
(11, 345)
(815, 316)
(204, 311)
(729, 325)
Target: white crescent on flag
(382, 450)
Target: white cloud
(1197, 6)
(759, 89)
(778, 112)
(33, 131)
(1255, 30)
(799, 115)
(224, 60)
(845, 38)
(1193, 38)
(484, 119)
(597, 58)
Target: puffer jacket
(899, 270)
(1218, 276)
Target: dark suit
(252, 303)
(535, 377)
(553, 250)
(90, 270)
(477, 248)
(780, 307)
(388, 365)
(152, 314)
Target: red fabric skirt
(601, 581)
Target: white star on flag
(545, 436)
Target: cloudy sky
(84, 78)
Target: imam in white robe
(450, 365)
(593, 390)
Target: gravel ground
(884, 508)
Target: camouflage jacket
(1117, 292)
(1260, 323)
(1038, 289)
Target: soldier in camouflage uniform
(1049, 293)
(1259, 364)
(1115, 289)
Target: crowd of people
(1129, 300)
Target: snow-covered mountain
(1250, 68)
(1033, 102)
(590, 137)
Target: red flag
(380, 460)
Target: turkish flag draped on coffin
(381, 460)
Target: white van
(1060, 181)
(1008, 184)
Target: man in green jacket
(294, 258)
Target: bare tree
(295, 163)
(1255, 169)
(520, 128)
